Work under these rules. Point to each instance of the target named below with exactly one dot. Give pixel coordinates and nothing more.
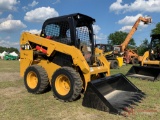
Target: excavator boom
(132, 31)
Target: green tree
(11, 49)
(118, 37)
(143, 47)
(157, 29)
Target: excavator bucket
(144, 72)
(114, 94)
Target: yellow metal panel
(27, 54)
(100, 69)
(26, 58)
(120, 61)
(151, 62)
(24, 64)
(107, 53)
(144, 58)
(87, 78)
(49, 67)
(52, 45)
(100, 56)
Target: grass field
(17, 104)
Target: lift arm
(132, 31)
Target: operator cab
(74, 29)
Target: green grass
(16, 103)
(9, 66)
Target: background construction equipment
(115, 59)
(150, 62)
(132, 52)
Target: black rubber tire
(42, 79)
(114, 64)
(75, 84)
(158, 78)
(135, 60)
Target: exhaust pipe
(147, 72)
(112, 94)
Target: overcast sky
(17, 16)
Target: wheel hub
(32, 80)
(62, 85)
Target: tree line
(11, 49)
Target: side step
(114, 94)
(144, 72)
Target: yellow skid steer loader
(64, 57)
(114, 57)
(150, 62)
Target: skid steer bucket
(114, 94)
(144, 72)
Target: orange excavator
(122, 48)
